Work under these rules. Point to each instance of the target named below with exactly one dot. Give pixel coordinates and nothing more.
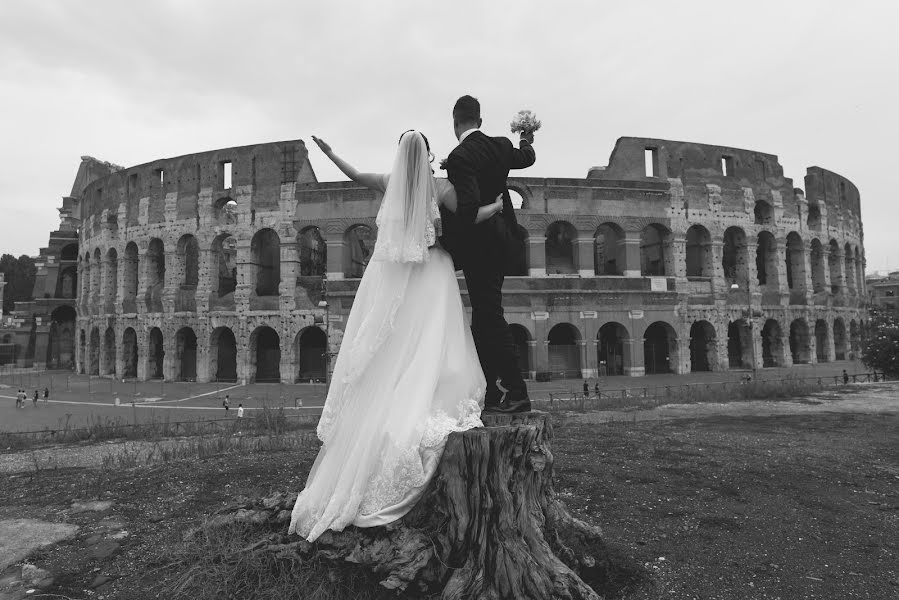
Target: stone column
(204, 366)
(537, 253)
(585, 266)
(288, 288)
(719, 284)
(120, 284)
(631, 254)
(102, 301)
(586, 371)
(632, 357)
(805, 284)
(206, 271)
(174, 275)
(170, 354)
(335, 258)
(532, 360)
(245, 282)
(676, 258)
(780, 249)
(141, 339)
(120, 350)
(142, 278)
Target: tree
(880, 350)
(20, 273)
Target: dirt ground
(728, 506)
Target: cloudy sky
(814, 82)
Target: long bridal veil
(407, 373)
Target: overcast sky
(814, 82)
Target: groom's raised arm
(461, 174)
(523, 156)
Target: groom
(478, 168)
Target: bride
(407, 374)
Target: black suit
(478, 168)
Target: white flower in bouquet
(525, 122)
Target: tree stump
(489, 526)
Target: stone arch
(61, 342)
(94, 359)
(659, 348)
(129, 352)
(735, 256)
(739, 344)
(225, 209)
(67, 283)
(310, 347)
(519, 197)
(185, 355)
(109, 352)
(313, 252)
(655, 241)
(608, 250)
(772, 344)
(155, 354)
(561, 242)
(703, 347)
(818, 266)
(187, 272)
(130, 278)
(795, 262)
(112, 278)
(766, 260)
(564, 351)
(69, 252)
(610, 349)
(849, 266)
(155, 271)
(85, 278)
(223, 272)
(700, 261)
(359, 242)
(813, 220)
(833, 264)
(223, 354)
(520, 338)
(822, 341)
(265, 261)
(265, 355)
(840, 340)
(800, 342)
(763, 213)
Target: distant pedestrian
(226, 403)
(596, 389)
(35, 398)
(845, 377)
(240, 411)
(46, 393)
(586, 389)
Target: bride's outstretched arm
(374, 181)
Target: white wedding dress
(407, 374)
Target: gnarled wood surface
(489, 526)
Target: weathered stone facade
(216, 265)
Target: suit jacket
(478, 168)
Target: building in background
(883, 290)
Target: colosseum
(237, 264)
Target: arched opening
(564, 353)
(561, 237)
(800, 343)
(186, 355)
(311, 346)
(821, 340)
(739, 344)
(313, 253)
(813, 221)
(265, 355)
(155, 275)
(818, 267)
(94, 363)
(517, 199)
(654, 240)
(129, 282)
(840, 342)
(699, 252)
(703, 347)
(69, 252)
(772, 344)
(734, 258)
(155, 354)
(109, 352)
(225, 209)
(61, 343)
(223, 272)
(188, 263)
(854, 337)
(111, 268)
(659, 348)
(223, 354)
(129, 353)
(849, 265)
(608, 250)
(359, 241)
(833, 263)
(265, 257)
(766, 259)
(67, 283)
(764, 214)
(795, 262)
(521, 337)
(610, 349)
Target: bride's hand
(497, 206)
(322, 144)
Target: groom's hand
(527, 137)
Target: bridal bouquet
(525, 122)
